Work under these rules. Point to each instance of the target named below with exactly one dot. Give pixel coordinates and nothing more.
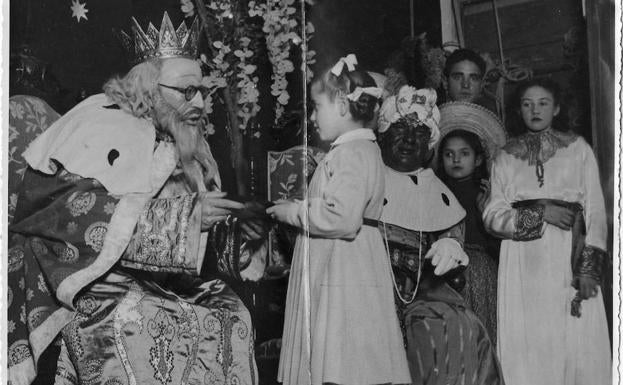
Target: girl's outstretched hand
(483, 195)
(587, 287)
(284, 211)
(559, 216)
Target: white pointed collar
(356, 134)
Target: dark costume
(481, 276)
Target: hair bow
(373, 91)
(350, 61)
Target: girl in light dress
(341, 325)
(547, 204)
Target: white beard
(197, 163)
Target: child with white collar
(341, 325)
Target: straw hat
(476, 119)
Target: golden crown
(163, 43)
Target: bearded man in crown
(118, 219)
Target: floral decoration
(232, 55)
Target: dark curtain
(600, 22)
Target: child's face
(326, 115)
(538, 108)
(459, 158)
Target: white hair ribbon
(373, 91)
(350, 61)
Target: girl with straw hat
(470, 137)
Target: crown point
(166, 42)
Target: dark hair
(560, 121)
(474, 142)
(362, 109)
(464, 54)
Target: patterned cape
(73, 223)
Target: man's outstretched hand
(215, 208)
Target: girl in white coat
(341, 324)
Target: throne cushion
(29, 116)
(288, 172)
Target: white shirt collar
(356, 134)
(420, 171)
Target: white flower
(249, 69)
(208, 103)
(255, 10)
(29, 294)
(10, 325)
(210, 129)
(243, 54)
(17, 110)
(283, 98)
(13, 200)
(285, 66)
(72, 227)
(109, 208)
(41, 285)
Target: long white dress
(341, 324)
(539, 342)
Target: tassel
(576, 306)
(540, 172)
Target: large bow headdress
(413, 105)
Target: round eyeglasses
(190, 91)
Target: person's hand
(483, 195)
(253, 229)
(587, 287)
(559, 216)
(446, 254)
(214, 208)
(282, 211)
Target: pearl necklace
(391, 271)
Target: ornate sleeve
(590, 264)
(167, 237)
(500, 218)
(529, 222)
(227, 254)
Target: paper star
(78, 10)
